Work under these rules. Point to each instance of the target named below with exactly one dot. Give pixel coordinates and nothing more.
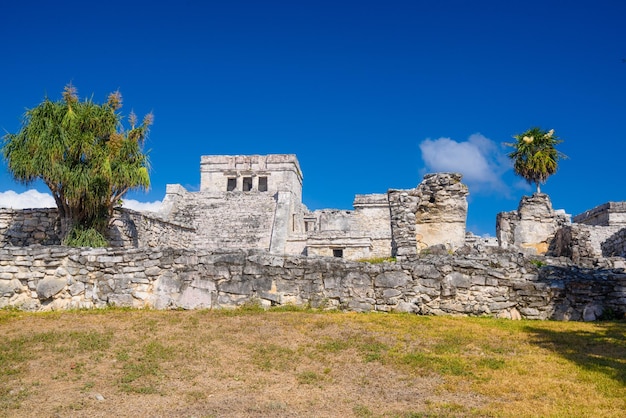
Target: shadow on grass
(602, 351)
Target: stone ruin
(532, 226)
(246, 236)
(254, 202)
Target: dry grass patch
(305, 363)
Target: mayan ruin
(247, 235)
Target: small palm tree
(535, 156)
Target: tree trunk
(66, 227)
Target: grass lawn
(293, 363)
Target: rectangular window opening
(338, 252)
(232, 184)
(262, 184)
(247, 184)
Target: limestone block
(458, 280)
(9, 287)
(49, 287)
(122, 300)
(392, 279)
(361, 306)
(195, 298)
(77, 288)
(532, 227)
(236, 287)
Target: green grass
(247, 362)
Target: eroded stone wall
(364, 232)
(237, 220)
(503, 284)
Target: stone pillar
(433, 213)
(532, 227)
(442, 211)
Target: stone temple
(255, 202)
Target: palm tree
(535, 156)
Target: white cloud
(479, 159)
(32, 199)
(142, 206)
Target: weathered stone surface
(502, 284)
(392, 279)
(195, 298)
(77, 288)
(122, 300)
(49, 287)
(237, 287)
(433, 213)
(9, 287)
(457, 279)
(532, 227)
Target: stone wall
(132, 229)
(364, 232)
(441, 211)
(236, 220)
(29, 227)
(500, 283)
(129, 228)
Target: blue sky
(370, 95)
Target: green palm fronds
(535, 156)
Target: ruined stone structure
(532, 226)
(598, 232)
(434, 213)
(246, 236)
(255, 202)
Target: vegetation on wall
(84, 154)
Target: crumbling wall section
(132, 229)
(615, 245)
(583, 244)
(373, 220)
(129, 229)
(442, 211)
(364, 232)
(607, 214)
